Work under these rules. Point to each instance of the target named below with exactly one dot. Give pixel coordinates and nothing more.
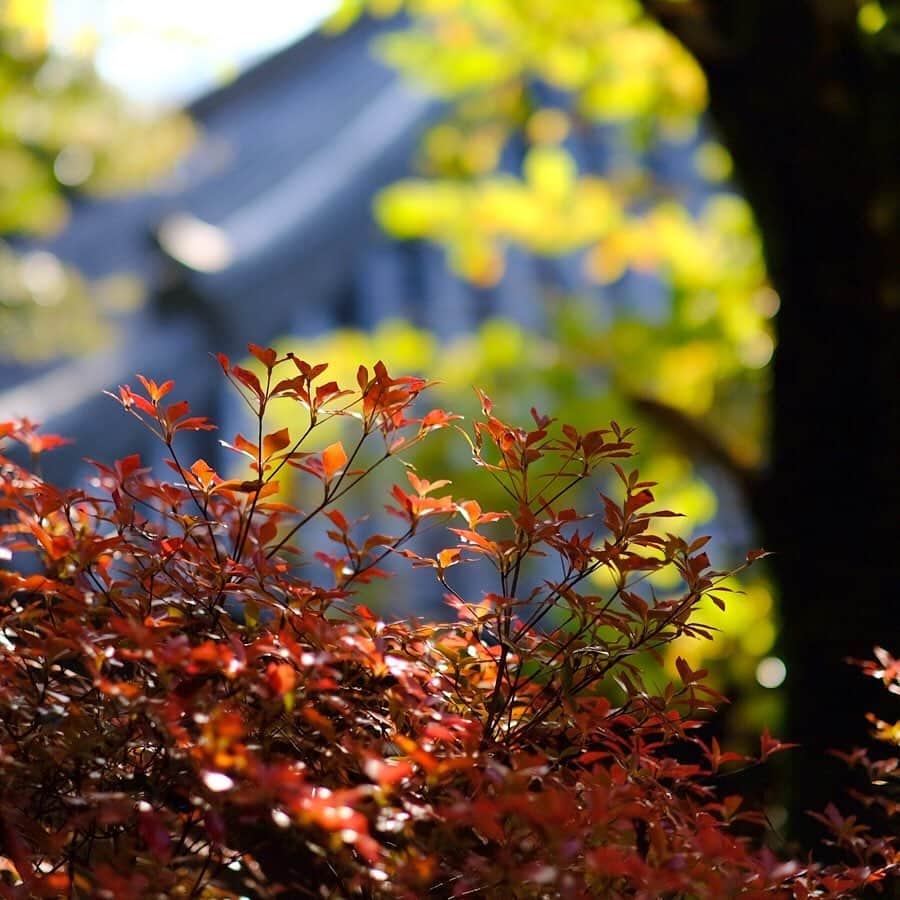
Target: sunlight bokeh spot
(771, 672)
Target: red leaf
(266, 356)
(770, 745)
(338, 518)
(387, 773)
(215, 826)
(154, 834)
(195, 423)
(38, 443)
(177, 410)
(248, 379)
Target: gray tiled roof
(290, 156)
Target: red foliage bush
(185, 715)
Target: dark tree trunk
(811, 116)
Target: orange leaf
(154, 391)
(281, 678)
(273, 443)
(333, 459)
(266, 356)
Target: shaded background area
(569, 232)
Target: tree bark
(810, 110)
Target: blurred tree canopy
(802, 98)
(690, 369)
(538, 76)
(62, 131)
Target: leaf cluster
(184, 714)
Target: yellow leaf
(30, 18)
(551, 171)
